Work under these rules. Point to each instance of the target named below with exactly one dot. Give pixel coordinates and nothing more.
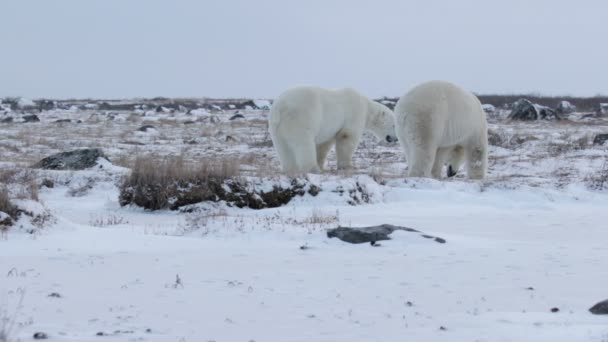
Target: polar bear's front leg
(345, 147)
(440, 159)
(322, 151)
(454, 160)
(476, 161)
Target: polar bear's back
(324, 111)
(433, 102)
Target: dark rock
(554, 310)
(372, 234)
(46, 105)
(390, 103)
(8, 119)
(54, 295)
(603, 109)
(237, 116)
(104, 106)
(565, 107)
(188, 122)
(246, 104)
(526, 110)
(600, 139)
(488, 108)
(71, 160)
(145, 128)
(40, 336)
(30, 118)
(63, 121)
(600, 308)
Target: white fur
(306, 121)
(439, 122)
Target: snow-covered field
(529, 239)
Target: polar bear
(438, 122)
(306, 121)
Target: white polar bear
(306, 121)
(439, 122)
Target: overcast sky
(257, 48)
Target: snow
(199, 112)
(530, 238)
(236, 282)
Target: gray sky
(257, 48)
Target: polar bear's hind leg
(305, 154)
(322, 151)
(286, 156)
(422, 160)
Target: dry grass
(158, 180)
(6, 206)
(599, 180)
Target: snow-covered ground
(529, 239)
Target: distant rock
(249, 104)
(603, 109)
(7, 119)
(565, 107)
(162, 109)
(46, 105)
(237, 116)
(71, 160)
(146, 128)
(63, 121)
(30, 118)
(388, 102)
(372, 234)
(600, 139)
(104, 106)
(488, 108)
(600, 308)
(262, 104)
(525, 110)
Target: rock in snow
(600, 308)
(71, 160)
(372, 234)
(525, 110)
(565, 107)
(600, 139)
(30, 118)
(488, 108)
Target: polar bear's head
(381, 122)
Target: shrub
(6, 206)
(171, 184)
